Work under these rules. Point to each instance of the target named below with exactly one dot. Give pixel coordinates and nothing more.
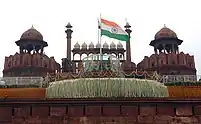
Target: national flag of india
(113, 30)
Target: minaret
(69, 32)
(128, 49)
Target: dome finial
(127, 24)
(32, 27)
(69, 25)
(164, 25)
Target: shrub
(106, 87)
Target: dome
(32, 34)
(112, 46)
(84, 46)
(105, 45)
(119, 46)
(98, 45)
(91, 45)
(165, 33)
(77, 46)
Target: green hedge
(106, 87)
(183, 84)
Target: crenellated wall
(97, 111)
(177, 62)
(35, 60)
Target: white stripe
(109, 28)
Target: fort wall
(182, 60)
(35, 60)
(133, 111)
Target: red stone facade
(36, 60)
(171, 63)
(100, 112)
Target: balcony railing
(180, 78)
(37, 81)
(41, 82)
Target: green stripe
(115, 36)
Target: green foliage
(19, 86)
(106, 87)
(183, 84)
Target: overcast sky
(145, 16)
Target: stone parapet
(100, 111)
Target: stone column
(41, 51)
(69, 36)
(177, 49)
(128, 49)
(21, 49)
(173, 49)
(164, 48)
(155, 50)
(34, 49)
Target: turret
(128, 49)
(69, 32)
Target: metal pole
(100, 46)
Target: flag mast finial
(127, 24)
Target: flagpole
(100, 38)
(98, 30)
(100, 45)
(98, 34)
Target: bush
(106, 87)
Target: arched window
(190, 65)
(153, 64)
(161, 62)
(9, 64)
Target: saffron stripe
(109, 23)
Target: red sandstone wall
(105, 113)
(167, 59)
(36, 60)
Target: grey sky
(145, 16)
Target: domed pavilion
(31, 60)
(167, 40)
(167, 60)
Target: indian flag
(113, 30)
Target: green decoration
(106, 88)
